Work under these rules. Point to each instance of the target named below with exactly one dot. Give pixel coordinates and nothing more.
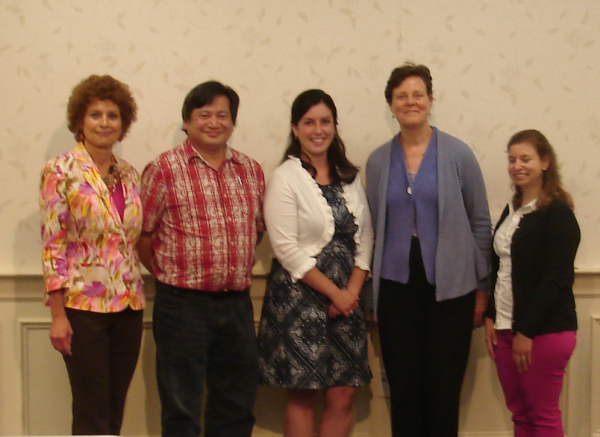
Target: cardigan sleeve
(281, 218)
(476, 206)
(55, 219)
(364, 250)
(560, 242)
(373, 173)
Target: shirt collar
(192, 153)
(525, 209)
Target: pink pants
(532, 396)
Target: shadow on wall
(147, 365)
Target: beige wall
(498, 67)
(35, 398)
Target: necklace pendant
(409, 190)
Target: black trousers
(105, 349)
(205, 337)
(425, 347)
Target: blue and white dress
(300, 346)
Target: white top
(300, 222)
(502, 242)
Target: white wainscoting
(35, 396)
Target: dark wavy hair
(409, 69)
(102, 88)
(340, 168)
(552, 188)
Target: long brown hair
(552, 188)
(340, 167)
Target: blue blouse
(412, 208)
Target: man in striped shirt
(202, 205)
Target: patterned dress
(300, 346)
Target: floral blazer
(88, 250)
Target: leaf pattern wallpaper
(497, 66)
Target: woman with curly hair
(91, 220)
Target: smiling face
(315, 131)
(210, 126)
(102, 124)
(526, 168)
(410, 103)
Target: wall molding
(29, 288)
(595, 375)
(26, 327)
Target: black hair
(204, 94)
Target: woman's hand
(481, 302)
(60, 329)
(490, 337)
(61, 334)
(522, 352)
(333, 312)
(344, 301)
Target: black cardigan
(542, 252)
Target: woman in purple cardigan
(430, 265)
(530, 323)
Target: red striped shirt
(204, 222)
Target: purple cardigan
(464, 227)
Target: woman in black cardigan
(530, 322)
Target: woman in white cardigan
(312, 333)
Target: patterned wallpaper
(498, 67)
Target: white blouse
(502, 242)
(300, 222)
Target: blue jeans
(205, 338)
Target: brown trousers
(105, 349)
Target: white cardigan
(300, 222)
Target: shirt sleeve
(154, 196)
(55, 220)
(281, 217)
(260, 217)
